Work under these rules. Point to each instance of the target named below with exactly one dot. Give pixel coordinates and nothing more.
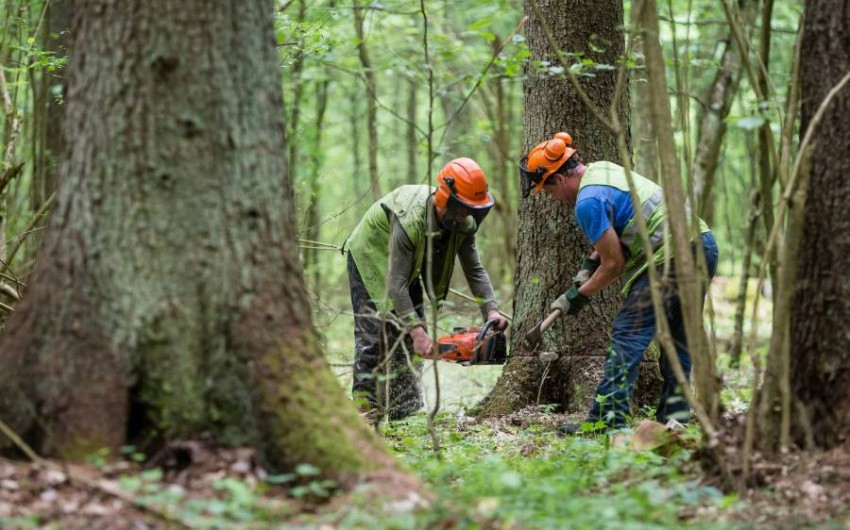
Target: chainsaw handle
(484, 330)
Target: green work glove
(588, 267)
(571, 302)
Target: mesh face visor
(529, 179)
(534, 179)
(462, 218)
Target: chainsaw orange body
(473, 345)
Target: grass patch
(499, 476)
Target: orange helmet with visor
(546, 158)
(463, 194)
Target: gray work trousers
(383, 353)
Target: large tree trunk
(168, 299)
(820, 364)
(550, 245)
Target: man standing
(406, 241)
(599, 192)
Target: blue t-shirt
(600, 207)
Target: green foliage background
(330, 165)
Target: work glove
(588, 267)
(500, 322)
(571, 302)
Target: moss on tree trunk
(168, 299)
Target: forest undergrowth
(510, 473)
(514, 473)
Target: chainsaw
(473, 345)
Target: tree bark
(48, 115)
(314, 225)
(168, 300)
(50, 112)
(495, 103)
(767, 173)
(712, 129)
(820, 364)
(643, 139)
(371, 99)
(410, 134)
(550, 244)
(354, 126)
(503, 172)
(296, 89)
(737, 341)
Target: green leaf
(151, 474)
(130, 483)
(307, 470)
(478, 24)
(282, 478)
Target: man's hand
(571, 302)
(588, 267)
(500, 322)
(422, 343)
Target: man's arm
(613, 261)
(401, 261)
(479, 281)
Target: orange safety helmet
(463, 179)
(463, 194)
(546, 158)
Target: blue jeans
(632, 332)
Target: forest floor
(514, 473)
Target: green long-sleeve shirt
(402, 257)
